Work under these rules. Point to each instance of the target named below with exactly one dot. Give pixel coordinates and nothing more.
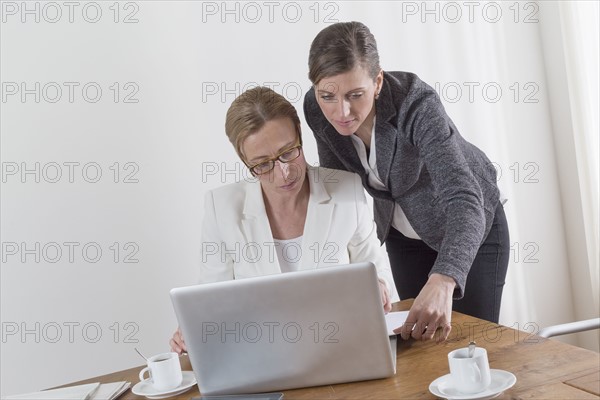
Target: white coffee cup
(469, 374)
(164, 370)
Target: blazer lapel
(318, 222)
(258, 250)
(343, 147)
(386, 133)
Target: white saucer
(501, 380)
(144, 388)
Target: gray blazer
(445, 185)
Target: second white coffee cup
(164, 370)
(469, 374)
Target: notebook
(283, 331)
(90, 391)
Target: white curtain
(580, 23)
(570, 37)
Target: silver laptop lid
(285, 331)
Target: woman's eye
(262, 167)
(327, 97)
(287, 154)
(355, 95)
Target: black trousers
(411, 261)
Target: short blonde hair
(250, 111)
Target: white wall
(183, 64)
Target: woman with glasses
(293, 216)
(435, 195)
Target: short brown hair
(339, 48)
(251, 110)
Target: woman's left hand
(432, 309)
(386, 299)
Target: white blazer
(237, 241)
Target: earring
(377, 96)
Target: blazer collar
(386, 132)
(318, 191)
(257, 230)
(254, 204)
(319, 215)
(344, 146)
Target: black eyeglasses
(285, 157)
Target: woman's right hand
(177, 343)
(432, 309)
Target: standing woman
(435, 196)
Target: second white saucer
(501, 380)
(144, 388)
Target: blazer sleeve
(314, 117)
(214, 265)
(457, 190)
(364, 245)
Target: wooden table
(545, 368)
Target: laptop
(284, 331)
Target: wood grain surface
(545, 368)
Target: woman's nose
(284, 167)
(344, 108)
